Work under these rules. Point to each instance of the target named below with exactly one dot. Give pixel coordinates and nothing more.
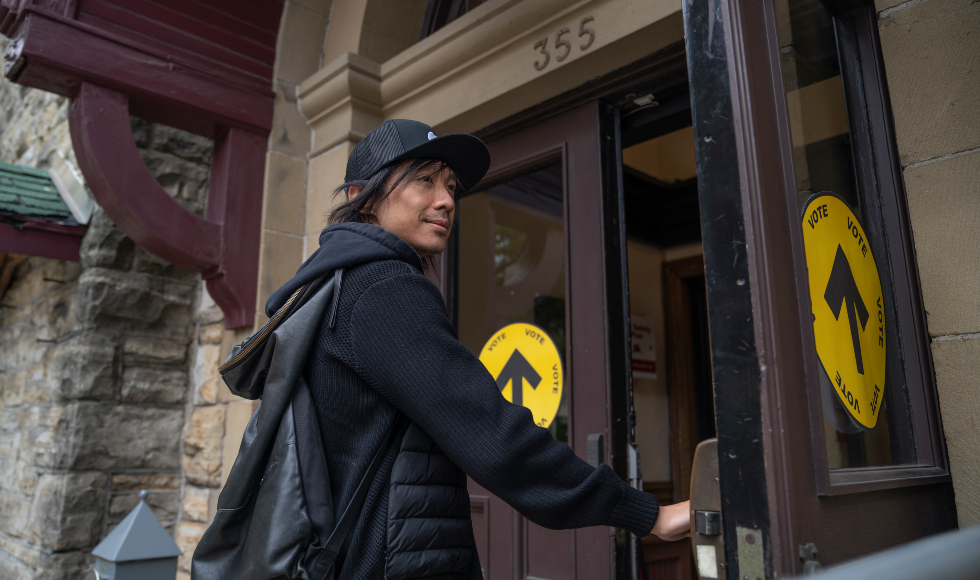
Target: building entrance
(528, 254)
(672, 397)
(592, 234)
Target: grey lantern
(138, 549)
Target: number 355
(562, 46)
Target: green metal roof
(29, 192)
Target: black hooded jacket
(393, 351)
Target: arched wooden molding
(223, 246)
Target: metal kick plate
(751, 559)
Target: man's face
(420, 210)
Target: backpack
(275, 517)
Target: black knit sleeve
(404, 345)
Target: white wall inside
(650, 395)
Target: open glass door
(528, 258)
(829, 445)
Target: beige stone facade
(479, 70)
(933, 68)
(342, 68)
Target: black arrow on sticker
(516, 370)
(842, 290)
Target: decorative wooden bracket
(224, 246)
(204, 67)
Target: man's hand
(673, 522)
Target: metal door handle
(707, 523)
(595, 449)
(707, 537)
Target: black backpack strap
(320, 559)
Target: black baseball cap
(399, 139)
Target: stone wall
(33, 124)
(932, 61)
(217, 418)
(95, 364)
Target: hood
(345, 246)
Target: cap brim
(466, 155)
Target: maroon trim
(206, 69)
(61, 54)
(224, 247)
(36, 237)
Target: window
(439, 13)
(843, 147)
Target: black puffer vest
(429, 526)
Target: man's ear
(353, 191)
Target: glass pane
(511, 266)
(824, 166)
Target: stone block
(11, 569)
(11, 387)
(8, 443)
(933, 67)
(205, 374)
(143, 350)
(45, 416)
(944, 209)
(183, 180)
(42, 447)
(290, 131)
(300, 43)
(16, 515)
(68, 509)
(46, 564)
(957, 364)
(321, 7)
(120, 437)
(11, 417)
(116, 302)
(196, 504)
(148, 481)
(280, 257)
(163, 503)
(285, 194)
(142, 130)
(202, 446)
(188, 535)
(85, 368)
(326, 174)
(60, 311)
(154, 386)
(147, 263)
(211, 334)
(182, 144)
(105, 246)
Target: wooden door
(798, 492)
(529, 247)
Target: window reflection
(511, 264)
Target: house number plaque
(563, 43)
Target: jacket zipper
(263, 334)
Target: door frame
(573, 137)
(762, 349)
(679, 346)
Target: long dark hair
(376, 189)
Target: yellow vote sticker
(526, 364)
(848, 313)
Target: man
(387, 350)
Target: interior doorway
(672, 391)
